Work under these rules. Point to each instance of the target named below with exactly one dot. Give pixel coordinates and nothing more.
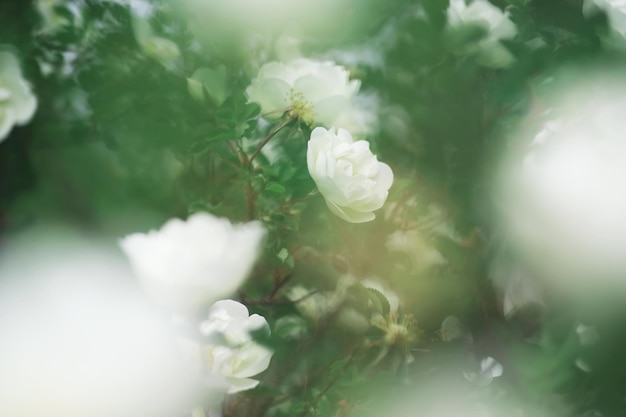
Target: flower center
(301, 108)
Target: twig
(250, 197)
(267, 139)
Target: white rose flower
(489, 50)
(347, 174)
(189, 264)
(236, 357)
(17, 102)
(315, 91)
(614, 9)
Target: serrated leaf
(379, 301)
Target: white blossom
(562, 198)
(17, 102)
(316, 91)
(489, 50)
(347, 174)
(187, 265)
(231, 352)
(78, 340)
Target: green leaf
(291, 327)
(251, 110)
(275, 187)
(213, 81)
(283, 254)
(196, 89)
(222, 134)
(380, 302)
(218, 135)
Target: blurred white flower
(17, 101)
(187, 265)
(347, 174)
(312, 90)
(489, 369)
(562, 198)
(318, 305)
(489, 50)
(614, 9)
(85, 343)
(312, 304)
(361, 117)
(230, 350)
(453, 329)
(287, 47)
(414, 243)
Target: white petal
(271, 94)
(327, 108)
(233, 308)
(4, 94)
(491, 367)
(330, 191)
(252, 360)
(241, 384)
(384, 180)
(350, 215)
(6, 122)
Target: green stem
(250, 197)
(267, 139)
